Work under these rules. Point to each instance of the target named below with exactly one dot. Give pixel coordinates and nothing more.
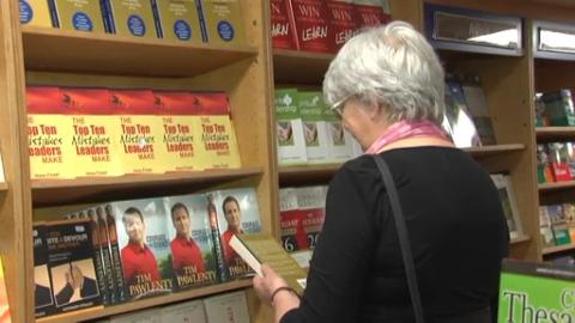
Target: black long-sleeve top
(456, 227)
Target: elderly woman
(388, 86)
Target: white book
(339, 140)
(188, 312)
(146, 316)
(291, 146)
(509, 204)
(227, 308)
(312, 109)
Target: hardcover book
(283, 25)
(180, 118)
(260, 249)
(145, 246)
(218, 148)
(94, 132)
(49, 135)
(290, 138)
(187, 312)
(311, 204)
(130, 18)
(218, 249)
(509, 204)
(71, 265)
(312, 26)
(293, 234)
(312, 110)
(81, 15)
(343, 19)
(227, 308)
(462, 129)
(141, 150)
(177, 20)
(475, 98)
(103, 269)
(193, 260)
(238, 213)
(35, 13)
(222, 22)
(372, 12)
(43, 296)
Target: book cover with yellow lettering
(95, 132)
(193, 259)
(222, 22)
(144, 246)
(49, 135)
(141, 148)
(178, 20)
(218, 146)
(81, 15)
(130, 18)
(179, 122)
(35, 13)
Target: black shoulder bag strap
(401, 228)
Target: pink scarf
(404, 129)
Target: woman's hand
(267, 284)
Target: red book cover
(559, 157)
(44, 100)
(293, 233)
(283, 25)
(314, 32)
(371, 13)
(343, 19)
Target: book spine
(203, 23)
(104, 249)
(157, 19)
(115, 255)
(54, 13)
(107, 7)
(222, 270)
(105, 16)
(99, 264)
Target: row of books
(557, 224)
(127, 250)
(302, 214)
(308, 132)
(554, 108)
(92, 132)
(224, 308)
(193, 21)
(556, 162)
(323, 25)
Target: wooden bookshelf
(556, 186)
(101, 312)
(555, 133)
(64, 51)
(520, 240)
(488, 151)
(294, 175)
(558, 249)
(299, 67)
(50, 192)
(3, 187)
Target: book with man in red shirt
(238, 213)
(144, 245)
(191, 245)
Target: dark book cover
(101, 270)
(218, 251)
(114, 250)
(193, 259)
(71, 265)
(44, 301)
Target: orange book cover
(218, 147)
(140, 132)
(49, 134)
(179, 122)
(94, 129)
(5, 316)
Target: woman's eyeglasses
(338, 106)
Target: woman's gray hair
(393, 66)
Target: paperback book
(293, 234)
(133, 18)
(222, 22)
(343, 20)
(509, 204)
(283, 25)
(461, 127)
(177, 20)
(35, 13)
(80, 15)
(313, 29)
(312, 109)
(43, 295)
(477, 104)
(290, 134)
(372, 12)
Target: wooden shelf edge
(173, 177)
(100, 311)
(3, 186)
(556, 249)
(112, 38)
(555, 132)
(303, 55)
(520, 240)
(308, 169)
(556, 186)
(494, 149)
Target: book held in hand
(257, 249)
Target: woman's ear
(376, 112)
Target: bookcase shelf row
(100, 311)
(555, 133)
(50, 192)
(557, 249)
(556, 186)
(300, 67)
(72, 51)
(307, 173)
